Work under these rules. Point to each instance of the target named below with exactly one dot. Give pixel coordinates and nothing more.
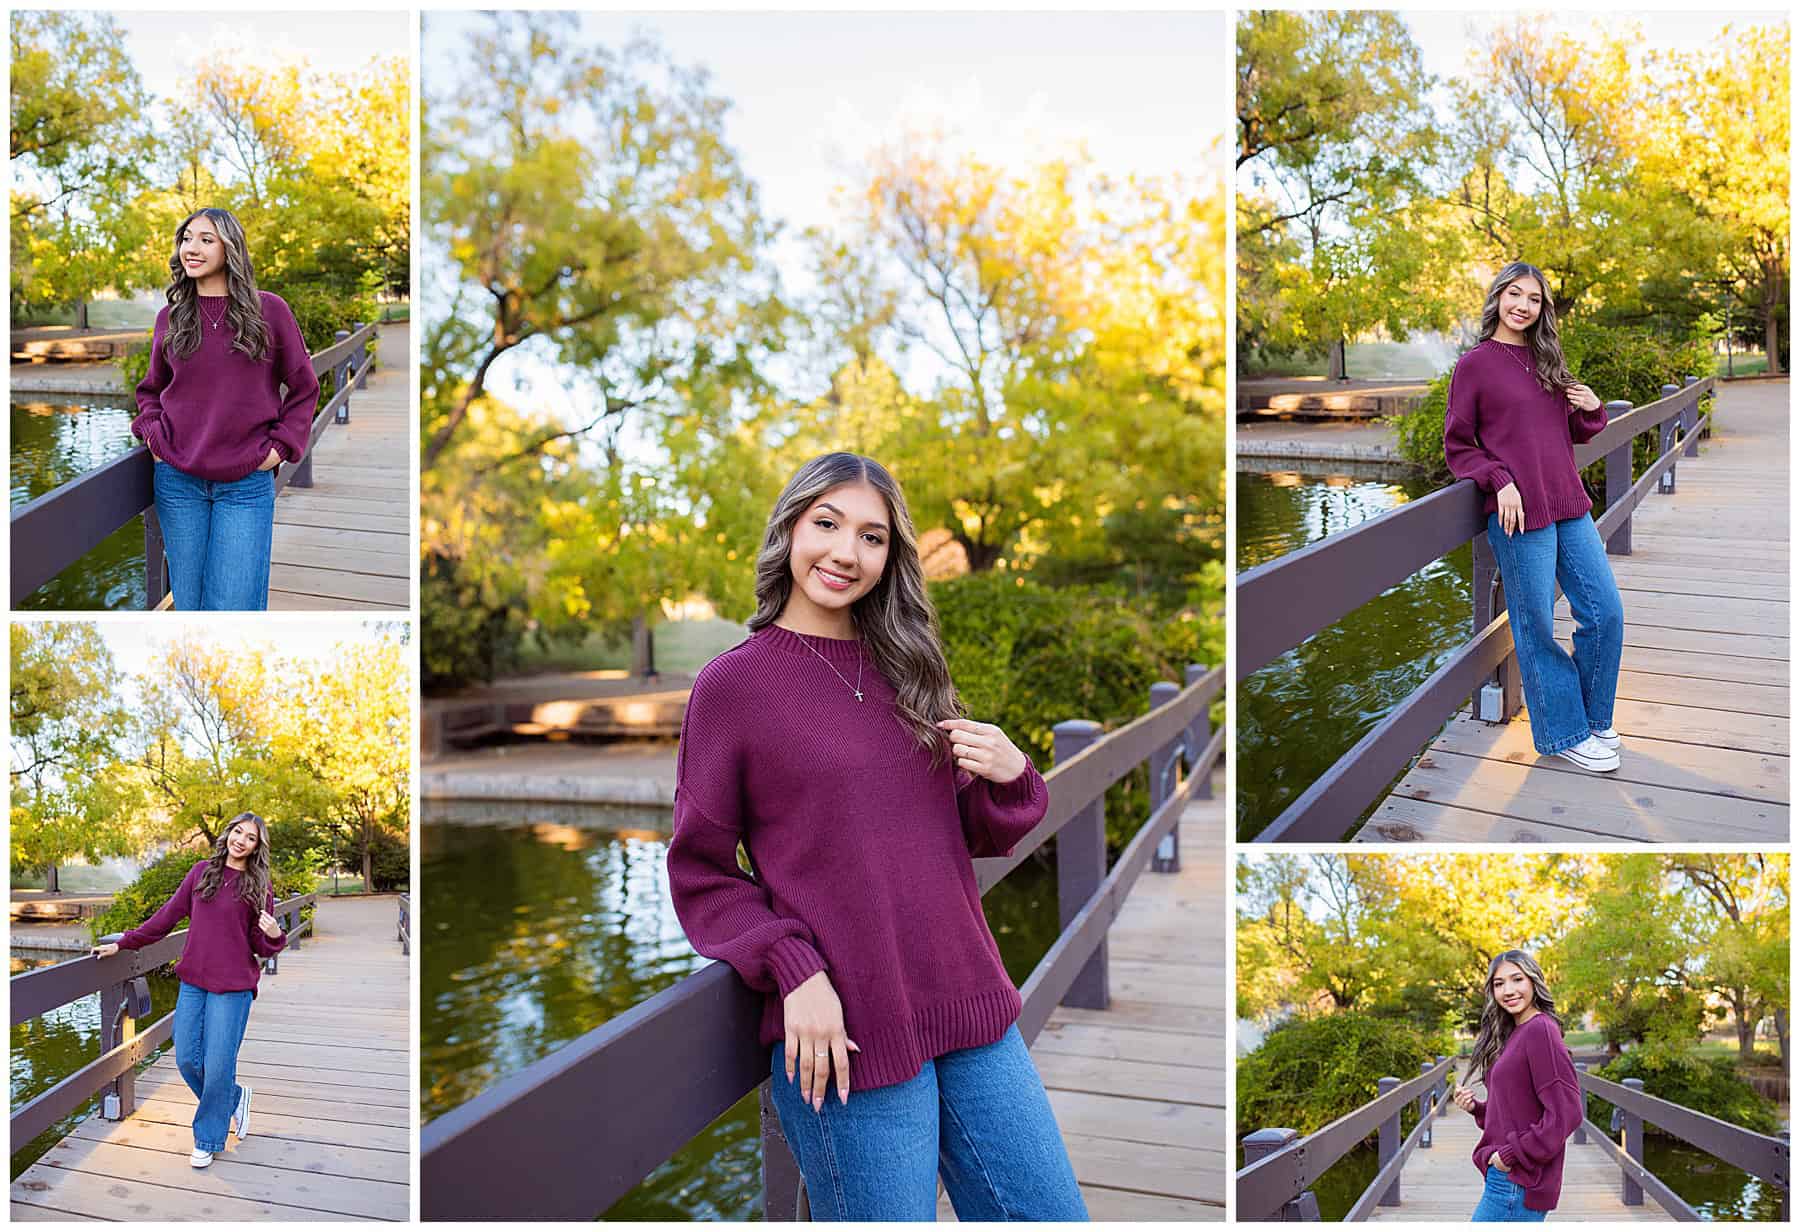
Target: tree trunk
(1781, 1037)
(643, 647)
(1746, 1031)
(368, 863)
(51, 884)
(1772, 337)
(81, 314)
(981, 555)
(1614, 1048)
(1340, 363)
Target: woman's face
(241, 843)
(200, 248)
(1521, 302)
(1511, 988)
(841, 545)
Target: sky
(166, 46)
(136, 643)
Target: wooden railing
(1285, 601)
(66, 523)
(121, 980)
(1280, 1166)
(404, 932)
(570, 1134)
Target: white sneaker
(1607, 736)
(200, 1158)
(240, 1120)
(1591, 754)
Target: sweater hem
(897, 1054)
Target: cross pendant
(858, 694)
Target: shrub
(391, 862)
(135, 363)
(469, 630)
(1705, 1084)
(137, 902)
(1312, 1070)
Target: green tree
(1740, 936)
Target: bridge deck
(328, 1053)
(1703, 690)
(346, 542)
(1441, 1183)
(1139, 1088)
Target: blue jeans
(218, 537)
(1568, 697)
(979, 1115)
(1503, 1201)
(209, 1028)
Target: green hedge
(1615, 361)
(137, 902)
(1312, 1070)
(1706, 1084)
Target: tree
(67, 719)
(1740, 936)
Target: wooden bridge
(1703, 704)
(1699, 543)
(1125, 1016)
(346, 541)
(328, 1054)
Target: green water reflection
(544, 922)
(50, 1047)
(1302, 712)
(56, 437)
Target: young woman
(1515, 417)
(213, 412)
(831, 744)
(1534, 1098)
(227, 902)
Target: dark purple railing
(124, 997)
(570, 1134)
(66, 523)
(1282, 603)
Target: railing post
(1693, 417)
(1262, 1144)
(1630, 1192)
(1388, 1144)
(1666, 438)
(156, 561)
(1581, 1125)
(1081, 865)
(780, 1174)
(1162, 774)
(117, 1026)
(1783, 1135)
(1489, 602)
(1427, 1098)
(1618, 482)
(1199, 734)
(342, 372)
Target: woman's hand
(814, 1019)
(105, 951)
(1464, 1098)
(1581, 398)
(272, 461)
(983, 750)
(1511, 508)
(1497, 1162)
(269, 924)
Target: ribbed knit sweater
(225, 948)
(1503, 427)
(1533, 1105)
(216, 413)
(861, 849)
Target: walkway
(1139, 1089)
(1441, 1183)
(328, 1053)
(1703, 694)
(346, 542)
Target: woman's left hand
(1582, 398)
(1497, 1162)
(269, 924)
(272, 461)
(983, 750)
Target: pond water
(545, 921)
(56, 437)
(1302, 712)
(50, 1047)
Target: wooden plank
(1664, 637)
(139, 1201)
(258, 1148)
(1708, 694)
(1139, 1079)
(1398, 819)
(1137, 1120)
(1107, 1042)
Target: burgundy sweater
(1534, 1103)
(216, 413)
(1503, 427)
(225, 948)
(861, 848)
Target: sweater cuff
(1498, 478)
(793, 961)
(1508, 1156)
(148, 429)
(1019, 790)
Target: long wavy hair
(254, 881)
(1545, 343)
(1497, 1025)
(895, 620)
(243, 306)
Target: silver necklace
(224, 310)
(1530, 372)
(854, 688)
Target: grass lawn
(347, 883)
(680, 646)
(74, 879)
(1743, 364)
(400, 310)
(1767, 1050)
